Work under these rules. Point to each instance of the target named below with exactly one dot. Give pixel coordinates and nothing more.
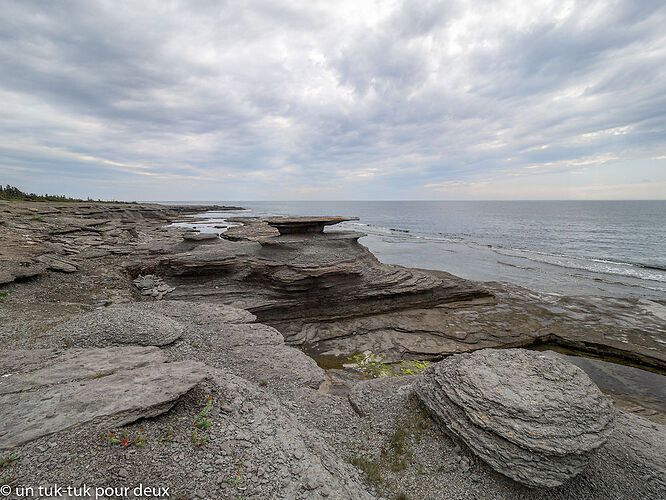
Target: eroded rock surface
(117, 325)
(292, 277)
(530, 415)
(46, 391)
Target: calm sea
(613, 248)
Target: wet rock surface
(531, 415)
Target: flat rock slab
(291, 225)
(530, 415)
(117, 325)
(114, 386)
(200, 313)
(200, 236)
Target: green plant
(168, 434)
(234, 480)
(2, 296)
(102, 374)
(138, 441)
(201, 421)
(413, 367)
(371, 468)
(5, 461)
(372, 365)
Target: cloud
(351, 99)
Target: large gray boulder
(530, 415)
(45, 391)
(118, 325)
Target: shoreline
(319, 288)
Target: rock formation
(530, 415)
(45, 391)
(117, 325)
(305, 276)
(301, 225)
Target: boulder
(117, 325)
(530, 415)
(45, 391)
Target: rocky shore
(136, 352)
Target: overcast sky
(214, 100)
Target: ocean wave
(605, 266)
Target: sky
(334, 100)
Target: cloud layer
(334, 100)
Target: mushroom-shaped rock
(118, 325)
(292, 225)
(530, 415)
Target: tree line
(15, 194)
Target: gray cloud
(344, 100)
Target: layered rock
(296, 225)
(530, 415)
(60, 236)
(45, 391)
(305, 276)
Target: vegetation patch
(125, 441)
(371, 469)
(201, 422)
(372, 365)
(398, 454)
(5, 461)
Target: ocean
(600, 248)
